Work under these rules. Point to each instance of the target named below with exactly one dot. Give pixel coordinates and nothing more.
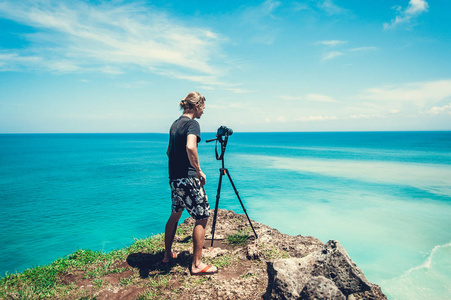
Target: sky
(70, 66)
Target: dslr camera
(224, 131)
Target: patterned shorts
(188, 193)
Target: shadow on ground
(147, 263)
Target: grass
(86, 274)
(148, 295)
(151, 245)
(238, 239)
(270, 252)
(223, 261)
(46, 282)
(98, 282)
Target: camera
(222, 136)
(224, 131)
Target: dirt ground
(238, 278)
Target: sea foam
(430, 280)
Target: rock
(252, 251)
(288, 277)
(313, 271)
(321, 288)
(213, 252)
(217, 236)
(322, 272)
(296, 246)
(374, 294)
(229, 223)
(334, 262)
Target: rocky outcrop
(309, 269)
(328, 273)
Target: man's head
(193, 102)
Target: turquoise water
(386, 196)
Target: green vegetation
(137, 271)
(85, 273)
(48, 282)
(152, 245)
(238, 239)
(270, 252)
(222, 261)
(148, 295)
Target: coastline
(246, 268)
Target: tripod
(224, 171)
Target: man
(187, 180)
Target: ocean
(385, 196)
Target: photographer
(187, 180)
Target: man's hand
(202, 177)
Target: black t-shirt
(179, 165)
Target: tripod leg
(218, 193)
(242, 205)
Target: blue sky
(326, 65)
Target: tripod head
(222, 136)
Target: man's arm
(191, 149)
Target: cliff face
(295, 267)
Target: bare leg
(169, 235)
(198, 244)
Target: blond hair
(191, 100)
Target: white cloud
(317, 118)
(365, 116)
(8, 61)
(332, 43)
(310, 97)
(300, 6)
(349, 117)
(324, 6)
(331, 55)
(342, 51)
(257, 19)
(319, 98)
(114, 116)
(331, 8)
(418, 93)
(209, 81)
(230, 105)
(410, 100)
(363, 49)
(74, 36)
(269, 6)
(256, 14)
(415, 8)
(284, 97)
(436, 110)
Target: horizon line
(312, 131)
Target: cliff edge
(274, 266)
